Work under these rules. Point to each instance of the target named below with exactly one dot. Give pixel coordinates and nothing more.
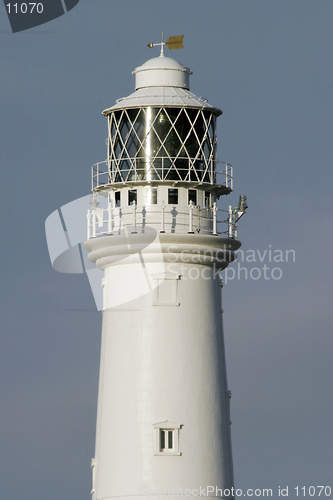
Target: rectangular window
(207, 199)
(165, 290)
(166, 439)
(173, 196)
(170, 435)
(162, 438)
(132, 196)
(192, 196)
(117, 198)
(152, 196)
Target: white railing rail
(107, 172)
(173, 219)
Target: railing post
(232, 177)
(235, 226)
(162, 218)
(134, 217)
(215, 218)
(226, 175)
(230, 222)
(199, 220)
(97, 174)
(94, 224)
(120, 214)
(212, 171)
(110, 169)
(88, 224)
(110, 218)
(190, 229)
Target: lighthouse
(155, 230)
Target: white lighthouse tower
(163, 420)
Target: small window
(167, 438)
(165, 289)
(132, 196)
(173, 196)
(117, 198)
(192, 196)
(152, 196)
(207, 199)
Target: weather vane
(173, 42)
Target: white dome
(162, 72)
(160, 62)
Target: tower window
(207, 199)
(173, 196)
(167, 438)
(117, 198)
(165, 289)
(192, 196)
(132, 196)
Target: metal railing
(159, 169)
(189, 219)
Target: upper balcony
(163, 219)
(178, 171)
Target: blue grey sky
(268, 66)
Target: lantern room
(162, 133)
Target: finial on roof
(173, 42)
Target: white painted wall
(161, 362)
